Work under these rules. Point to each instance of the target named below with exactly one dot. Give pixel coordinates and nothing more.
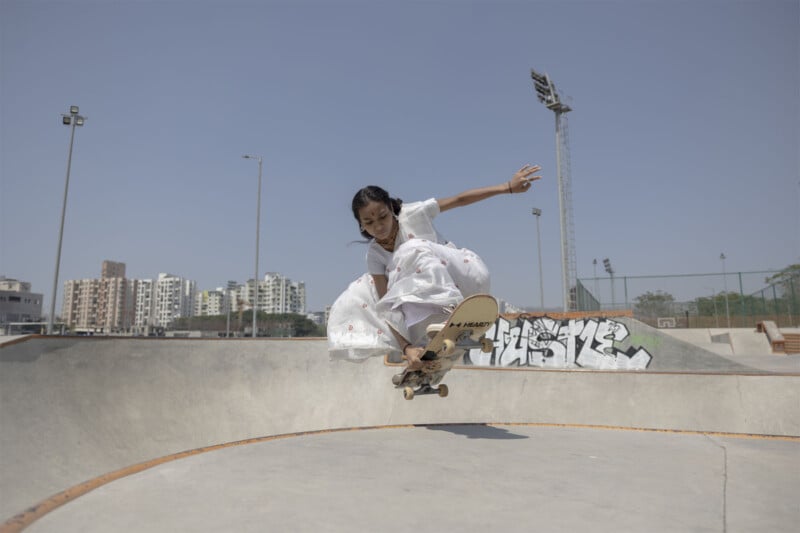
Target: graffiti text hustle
(550, 343)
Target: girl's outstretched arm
(519, 182)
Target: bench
(774, 335)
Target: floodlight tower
(610, 270)
(547, 94)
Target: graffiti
(550, 343)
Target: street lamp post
(228, 311)
(72, 119)
(258, 227)
(538, 213)
(725, 286)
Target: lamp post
(725, 286)
(258, 226)
(610, 270)
(228, 312)
(72, 119)
(538, 213)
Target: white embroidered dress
(425, 273)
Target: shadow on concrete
(477, 431)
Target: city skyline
(114, 303)
(681, 149)
(598, 286)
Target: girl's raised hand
(522, 179)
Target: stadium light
(610, 271)
(547, 94)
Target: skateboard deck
(464, 330)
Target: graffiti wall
(545, 342)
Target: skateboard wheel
(486, 345)
(443, 391)
(408, 393)
(448, 347)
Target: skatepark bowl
(163, 435)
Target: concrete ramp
(742, 341)
(72, 409)
(702, 338)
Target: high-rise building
(104, 305)
(144, 306)
(115, 299)
(211, 303)
(112, 269)
(79, 308)
(174, 298)
(277, 294)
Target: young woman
(414, 276)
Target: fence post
(741, 295)
(775, 305)
(625, 282)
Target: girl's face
(377, 220)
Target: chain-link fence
(733, 299)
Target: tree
(710, 306)
(788, 280)
(269, 325)
(654, 304)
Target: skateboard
(464, 330)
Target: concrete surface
(73, 409)
(509, 478)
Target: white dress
(425, 273)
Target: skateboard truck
(465, 342)
(441, 390)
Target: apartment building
(211, 303)
(79, 308)
(112, 269)
(277, 294)
(104, 305)
(115, 299)
(18, 303)
(144, 306)
(174, 298)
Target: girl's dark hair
(372, 193)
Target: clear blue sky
(684, 135)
